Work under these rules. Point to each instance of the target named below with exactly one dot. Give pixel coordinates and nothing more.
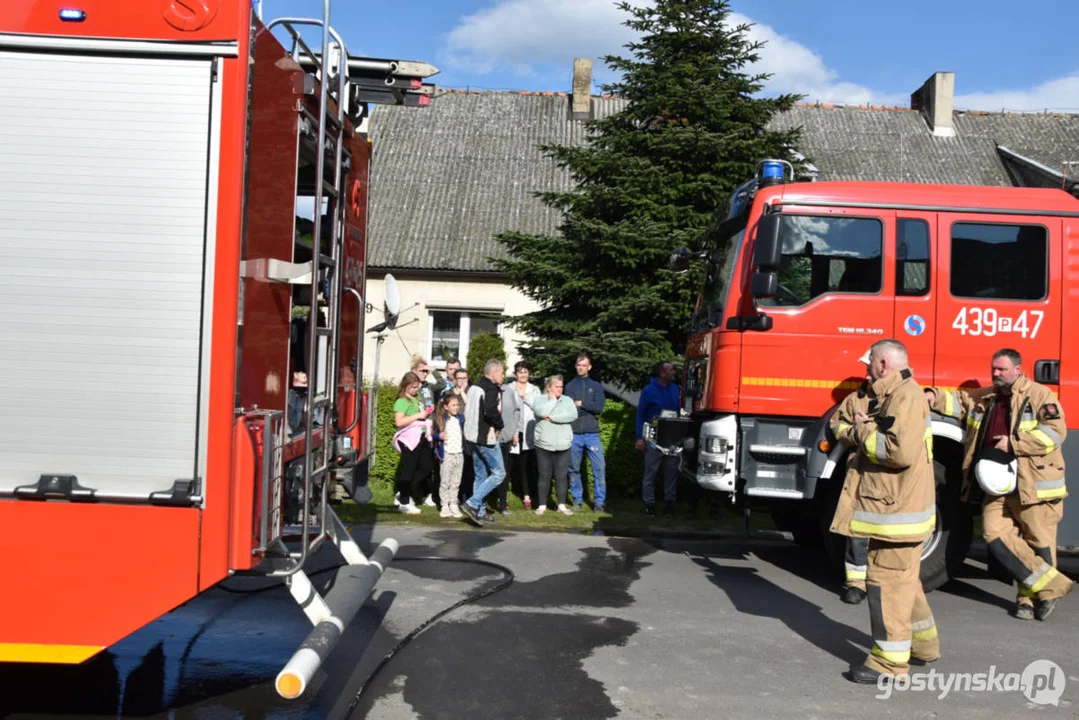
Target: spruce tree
(648, 180)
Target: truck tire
(944, 553)
(801, 525)
(834, 545)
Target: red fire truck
(803, 276)
(182, 355)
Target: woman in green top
(409, 416)
(554, 435)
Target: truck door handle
(1047, 372)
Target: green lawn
(624, 517)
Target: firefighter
(854, 559)
(1020, 423)
(894, 509)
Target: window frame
(929, 265)
(464, 329)
(1048, 260)
(883, 222)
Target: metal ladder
(329, 615)
(322, 377)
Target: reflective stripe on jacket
(1037, 434)
(893, 462)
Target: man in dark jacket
(589, 397)
(662, 394)
(483, 421)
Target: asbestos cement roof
(446, 178)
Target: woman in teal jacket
(555, 414)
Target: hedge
(484, 347)
(616, 427)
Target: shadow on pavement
(753, 594)
(523, 655)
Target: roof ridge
(467, 90)
(957, 111)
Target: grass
(623, 517)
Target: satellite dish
(392, 306)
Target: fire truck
(183, 355)
(802, 277)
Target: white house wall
(418, 297)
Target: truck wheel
(834, 545)
(801, 526)
(944, 553)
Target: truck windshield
(725, 239)
(828, 254)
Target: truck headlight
(718, 445)
(718, 454)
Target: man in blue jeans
(589, 397)
(483, 420)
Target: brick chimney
(934, 100)
(581, 108)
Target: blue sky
(1017, 56)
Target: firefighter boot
(893, 589)
(854, 565)
(1022, 538)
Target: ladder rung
(328, 188)
(325, 261)
(320, 401)
(324, 332)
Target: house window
(449, 332)
(1000, 262)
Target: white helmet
(997, 472)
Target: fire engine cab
(802, 277)
(181, 351)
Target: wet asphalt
(591, 627)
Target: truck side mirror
(680, 260)
(764, 285)
(682, 257)
(767, 252)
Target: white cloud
(797, 69)
(1060, 94)
(520, 36)
(528, 38)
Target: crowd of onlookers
(464, 443)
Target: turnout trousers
(1023, 538)
(902, 623)
(854, 562)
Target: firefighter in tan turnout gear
(1015, 428)
(895, 509)
(854, 559)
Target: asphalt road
(591, 627)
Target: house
(445, 180)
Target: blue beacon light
(72, 15)
(772, 170)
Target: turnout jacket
(892, 464)
(1036, 436)
(841, 424)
